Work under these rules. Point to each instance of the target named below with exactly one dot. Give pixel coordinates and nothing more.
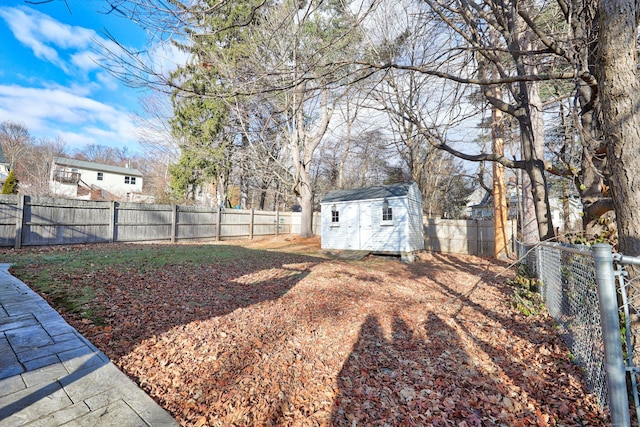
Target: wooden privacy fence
(462, 236)
(29, 221)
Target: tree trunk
(591, 180)
(620, 98)
(533, 139)
(221, 191)
(538, 182)
(529, 223)
(306, 216)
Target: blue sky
(49, 78)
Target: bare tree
(35, 167)
(104, 154)
(15, 140)
(31, 158)
(159, 146)
(292, 50)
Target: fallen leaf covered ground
(284, 335)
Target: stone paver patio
(50, 375)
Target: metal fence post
(609, 319)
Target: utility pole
(500, 212)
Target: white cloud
(166, 57)
(58, 112)
(44, 35)
(107, 80)
(85, 60)
(25, 29)
(68, 107)
(71, 48)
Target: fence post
(218, 223)
(609, 319)
(19, 221)
(251, 219)
(112, 221)
(174, 222)
(277, 221)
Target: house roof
(377, 192)
(81, 164)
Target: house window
(387, 212)
(335, 215)
(100, 176)
(130, 180)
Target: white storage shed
(383, 219)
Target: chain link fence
(594, 296)
(627, 271)
(570, 293)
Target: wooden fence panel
(285, 222)
(195, 223)
(136, 222)
(234, 224)
(296, 223)
(49, 221)
(8, 217)
(264, 223)
(472, 237)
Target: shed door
(365, 232)
(351, 215)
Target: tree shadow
(412, 378)
(467, 363)
(131, 302)
(205, 356)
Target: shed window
(100, 176)
(387, 212)
(130, 180)
(335, 215)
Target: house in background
(79, 179)
(4, 168)
(385, 219)
(483, 209)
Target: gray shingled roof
(81, 164)
(377, 192)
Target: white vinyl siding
(363, 225)
(111, 179)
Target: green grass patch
(72, 276)
(99, 256)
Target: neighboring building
(4, 168)
(384, 219)
(484, 208)
(94, 181)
